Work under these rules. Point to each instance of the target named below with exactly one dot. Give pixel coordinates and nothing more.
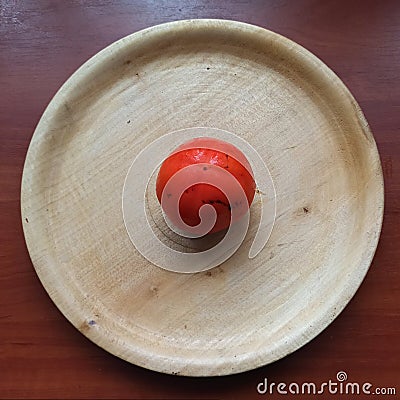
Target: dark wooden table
(41, 44)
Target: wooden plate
(248, 312)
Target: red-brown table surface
(41, 43)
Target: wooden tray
(248, 312)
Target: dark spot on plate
(258, 191)
(26, 219)
(154, 289)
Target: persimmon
(212, 154)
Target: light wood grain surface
(362, 340)
(247, 312)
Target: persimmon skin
(214, 153)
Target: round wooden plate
(247, 312)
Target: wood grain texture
(247, 312)
(41, 354)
